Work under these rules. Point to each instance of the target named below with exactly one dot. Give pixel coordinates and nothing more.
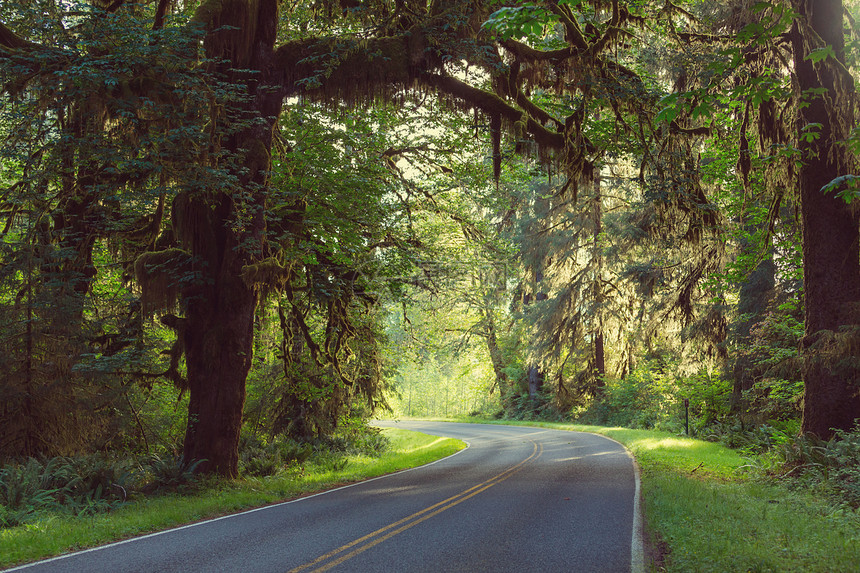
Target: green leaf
(819, 54)
(670, 109)
(850, 185)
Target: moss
(257, 157)
(349, 70)
(268, 273)
(160, 275)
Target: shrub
(652, 396)
(833, 463)
(25, 490)
(259, 458)
(170, 473)
(81, 485)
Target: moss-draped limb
(493, 104)
(574, 32)
(525, 52)
(352, 69)
(9, 41)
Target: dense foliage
(232, 228)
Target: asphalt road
(518, 499)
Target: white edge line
(256, 509)
(637, 545)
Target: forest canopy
(275, 218)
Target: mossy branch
(347, 69)
(493, 104)
(9, 41)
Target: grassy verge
(705, 513)
(54, 535)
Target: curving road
(518, 499)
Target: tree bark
(218, 329)
(831, 243)
(218, 335)
(753, 298)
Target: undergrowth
(34, 488)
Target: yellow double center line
(362, 544)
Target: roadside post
(687, 416)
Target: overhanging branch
(493, 104)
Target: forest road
(518, 499)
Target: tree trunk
(831, 245)
(597, 293)
(224, 229)
(753, 298)
(219, 336)
(496, 357)
(536, 376)
(536, 380)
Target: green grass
(53, 535)
(705, 512)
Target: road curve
(518, 499)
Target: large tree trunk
(224, 229)
(218, 335)
(831, 245)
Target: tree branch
(526, 52)
(9, 41)
(493, 104)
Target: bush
(631, 402)
(257, 458)
(833, 463)
(652, 397)
(170, 473)
(522, 406)
(97, 483)
(752, 440)
(81, 485)
(260, 458)
(25, 490)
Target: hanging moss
(350, 71)
(161, 275)
(266, 274)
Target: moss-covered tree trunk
(831, 243)
(218, 337)
(753, 298)
(224, 230)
